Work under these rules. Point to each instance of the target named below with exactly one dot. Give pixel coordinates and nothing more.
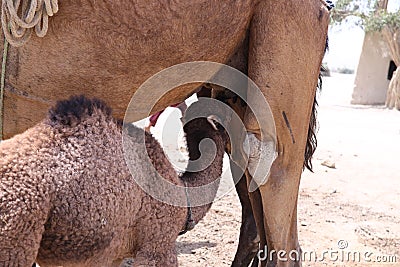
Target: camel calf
(67, 197)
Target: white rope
(2, 85)
(18, 19)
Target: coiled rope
(18, 19)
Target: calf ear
(214, 121)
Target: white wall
(371, 81)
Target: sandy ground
(355, 205)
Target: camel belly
(108, 49)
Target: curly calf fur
(67, 197)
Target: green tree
(373, 16)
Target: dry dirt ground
(351, 208)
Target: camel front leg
(248, 238)
(287, 43)
(156, 256)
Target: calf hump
(75, 109)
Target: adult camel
(111, 47)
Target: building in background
(375, 69)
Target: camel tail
(313, 125)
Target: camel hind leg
(287, 43)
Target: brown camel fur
(67, 197)
(119, 44)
